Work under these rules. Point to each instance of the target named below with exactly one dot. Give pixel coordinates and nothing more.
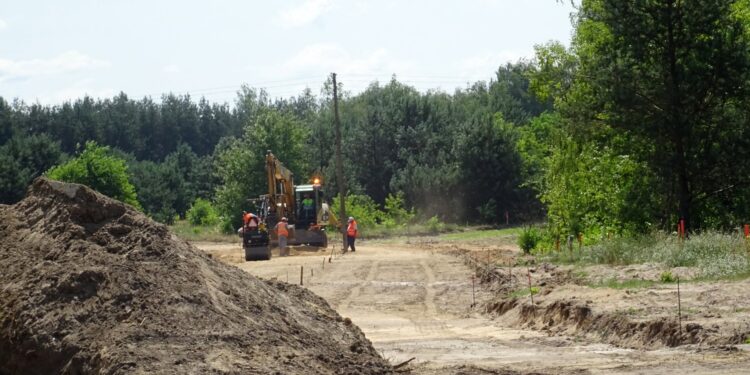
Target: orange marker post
(681, 229)
(682, 226)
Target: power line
(353, 83)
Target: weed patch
(614, 283)
(198, 233)
(524, 292)
(482, 234)
(717, 255)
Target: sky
(55, 51)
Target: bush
(166, 215)
(395, 213)
(488, 211)
(667, 277)
(202, 213)
(434, 225)
(362, 208)
(96, 168)
(529, 239)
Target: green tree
(22, 159)
(395, 211)
(240, 163)
(667, 74)
(101, 171)
(510, 95)
(491, 167)
(362, 208)
(155, 184)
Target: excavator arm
(280, 188)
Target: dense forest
(644, 119)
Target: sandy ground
(415, 302)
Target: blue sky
(52, 51)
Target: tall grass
(715, 254)
(426, 229)
(208, 233)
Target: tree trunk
(679, 125)
(683, 185)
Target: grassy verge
(471, 235)
(717, 255)
(445, 232)
(189, 232)
(523, 292)
(625, 284)
(381, 232)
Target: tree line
(643, 120)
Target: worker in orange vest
(250, 220)
(351, 233)
(282, 231)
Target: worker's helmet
(284, 218)
(351, 219)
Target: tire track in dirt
(346, 303)
(429, 323)
(429, 298)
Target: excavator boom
(280, 189)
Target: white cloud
(76, 90)
(64, 63)
(171, 69)
(311, 65)
(484, 66)
(3, 24)
(329, 57)
(304, 13)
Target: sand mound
(89, 285)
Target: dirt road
(412, 302)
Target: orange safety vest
(351, 230)
(281, 229)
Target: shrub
(166, 215)
(667, 277)
(488, 211)
(202, 213)
(362, 208)
(395, 213)
(528, 239)
(434, 225)
(98, 169)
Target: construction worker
(282, 231)
(351, 233)
(249, 220)
(308, 207)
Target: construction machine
(304, 206)
(255, 242)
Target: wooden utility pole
(339, 163)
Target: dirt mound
(89, 285)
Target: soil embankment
(568, 301)
(90, 285)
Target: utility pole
(339, 163)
